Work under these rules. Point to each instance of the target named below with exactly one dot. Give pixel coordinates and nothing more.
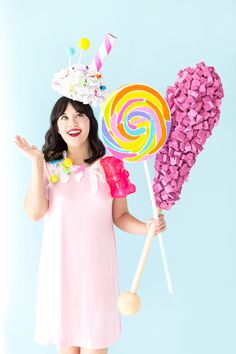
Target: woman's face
(72, 120)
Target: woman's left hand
(160, 224)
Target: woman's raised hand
(30, 151)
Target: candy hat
(83, 83)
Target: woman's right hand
(30, 151)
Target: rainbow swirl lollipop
(136, 122)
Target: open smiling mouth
(74, 134)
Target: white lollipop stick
(160, 239)
(142, 260)
(80, 56)
(70, 52)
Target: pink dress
(78, 279)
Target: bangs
(80, 107)
(60, 107)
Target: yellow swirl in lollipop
(136, 122)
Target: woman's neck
(78, 154)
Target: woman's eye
(79, 115)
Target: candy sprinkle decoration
(80, 83)
(194, 102)
(136, 122)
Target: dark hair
(54, 143)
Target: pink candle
(103, 52)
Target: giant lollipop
(135, 125)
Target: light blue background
(155, 40)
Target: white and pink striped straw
(103, 52)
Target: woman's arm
(124, 220)
(128, 223)
(35, 202)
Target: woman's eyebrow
(66, 114)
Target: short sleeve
(46, 177)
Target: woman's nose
(73, 121)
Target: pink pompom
(117, 177)
(194, 101)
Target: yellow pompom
(83, 43)
(54, 178)
(67, 162)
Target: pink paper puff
(194, 101)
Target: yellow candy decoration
(54, 178)
(67, 162)
(83, 43)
